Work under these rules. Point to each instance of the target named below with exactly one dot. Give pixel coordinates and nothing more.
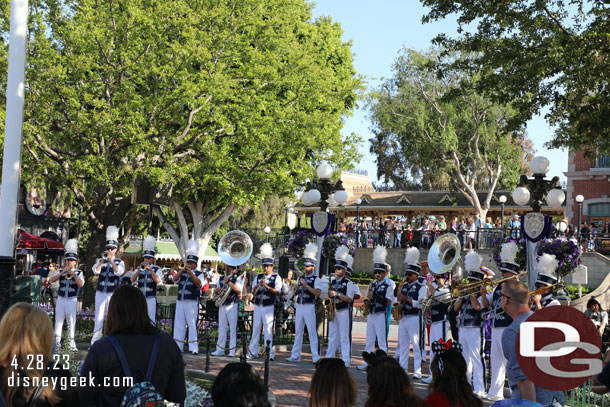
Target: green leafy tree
(226, 102)
(431, 127)
(546, 53)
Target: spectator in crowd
(19, 267)
(449, 386)
(515, 302)
(398, 230)
(53, 288)
(470, 234)
(515, 225)
(442, 225)
(425, 231)
(332, 385)
(364, 233)
(408, 236)
(25, 331)
(237, 385)
(389, 385)
(128, 322)
(454, 225)
(585, 235)
(498, 223)
(461, 228)
(600, 319)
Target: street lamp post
(502, 202)
(358, 202)
(534, 191)
(325, 192)
(267, 231)
(579, 199)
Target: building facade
(589, 177)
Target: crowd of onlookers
(473, 232)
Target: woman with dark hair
(449, 386)
(128, 322)
(332, 385)
(237, 385)
(389, 385)
(600, 318)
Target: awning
(166, 250)
(33, 242)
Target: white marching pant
(437, 332)
(470, 338)
(151, 303)
(376, 329)
(186, 314)
(65, 308)
(305, 316)
(498, 364)
(227, 313)
(263, 318)
(101, 308)
(408, 334)
(338, 332)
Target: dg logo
(559, 348)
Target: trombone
(464, 290)
(489, 314)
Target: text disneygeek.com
(63, 383)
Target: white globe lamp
(540, 165)
(555, 198)
(521, 196)
(502, 199)
(340, 197)
(324, 171)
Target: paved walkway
(290, 381)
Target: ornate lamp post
(535, 225)
(327, 193)
(358, 202)
(579, 199)
(502, 200)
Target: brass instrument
(489, 314)
(105, 256)
(396, 306)
(329, 306)
(234, 249)
(366, 303)
(68, 275)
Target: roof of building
(166, 250)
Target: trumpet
(105, 256)
(69, 276)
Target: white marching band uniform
(108, 281)
(471, 327)
(187, 303)
(228, 312)
(146, 282)
(65, 308)
(306, 316)
(264, 301)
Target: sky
(378, 31)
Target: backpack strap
(151, 361)
(153, 357)
(121, 355)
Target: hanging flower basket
(565, 251)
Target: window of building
(603, 161)
(599, 209)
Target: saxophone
(329, 306)
(366, 306)
(396, 307)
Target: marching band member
(109, 269)
(356, 290)
(187, 304)
(228, 311)
(501, 320)
(148, 276)
(471, 325)
(425, 278)
(380, 295)
(266, 288)
(545, 297)
(439, 312)
(70, 279)
(308, 289)
(341, 292)
(410, 326)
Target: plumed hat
(341, 257)
(310, 254)
(71, 250)
(379, 255)
(148, 249)
(508, 254)
(472, 264)
(546, 267)
(112, 237)
(412, 261)
(192, 249)
(267, 255)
